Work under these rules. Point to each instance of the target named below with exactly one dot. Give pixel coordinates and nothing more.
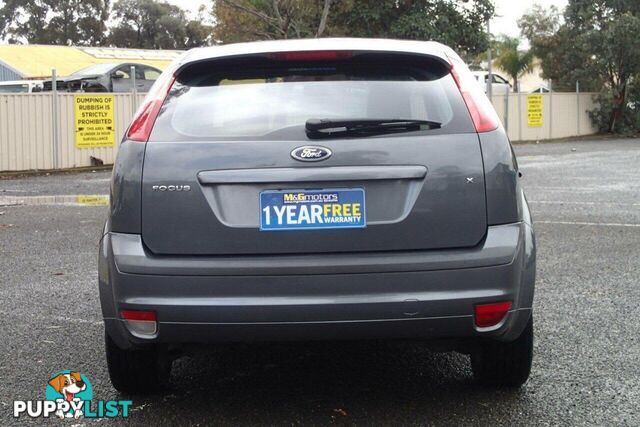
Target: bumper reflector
(140, 323)
(487, 315)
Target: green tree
(245, 20)
(513, 61)
(611, 47)
(155, 25)
(597, 45)
(197, 33)
(459, 24)
(66, 22)
(539, 23)
(562, 61)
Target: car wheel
(504, 363)
(138, 371)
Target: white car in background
(499, 85)
(21, 86)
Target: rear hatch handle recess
(312, 174)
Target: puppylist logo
(69, 394)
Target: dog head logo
(72, 387)
(68, 385)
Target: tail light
(480, 108)
(312, 55)
(141, 323)
(487, 315)
(142, 124)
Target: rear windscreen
(263, 98)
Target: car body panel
(498, 248)
(433, 49)
(222, 218)
(125, 213)
(104, 82)
(437, 244)
(499, 86)
(263, 299)
(502, 180)
(20, 86)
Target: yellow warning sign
(92, 199)
(534, 110)
(94, 121)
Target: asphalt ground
(585, 198)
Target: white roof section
(20, 82)
(301, 45)
(131, 54)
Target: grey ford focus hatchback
(317, 189)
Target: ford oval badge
(311, 153)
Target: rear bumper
(422, 294)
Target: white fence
(27, 139)
(563, 115)
(27, 131)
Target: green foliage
(138, 24)
(459, 24)
(157, 24)
(553, 44)
(154, 25)
(247, 20)
(597, 45)
(513, 61)
(628, 122)
(609, 33)
(540, 24)
(66, 22)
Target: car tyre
(137, 371)
(505, 364)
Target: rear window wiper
(335, 128)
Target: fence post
(578, 112)
(54, 112)
(550, 109)
(506, 111)
(519, 117)
(134, 91)
(489, 81)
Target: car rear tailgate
(445, 208)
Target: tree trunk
(618, 105)
(323, 19)
(515, 84)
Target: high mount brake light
(312, 55)
(482, 113)
(142, 124)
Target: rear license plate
(312, 209)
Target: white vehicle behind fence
(499, 85)
(21, 86)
